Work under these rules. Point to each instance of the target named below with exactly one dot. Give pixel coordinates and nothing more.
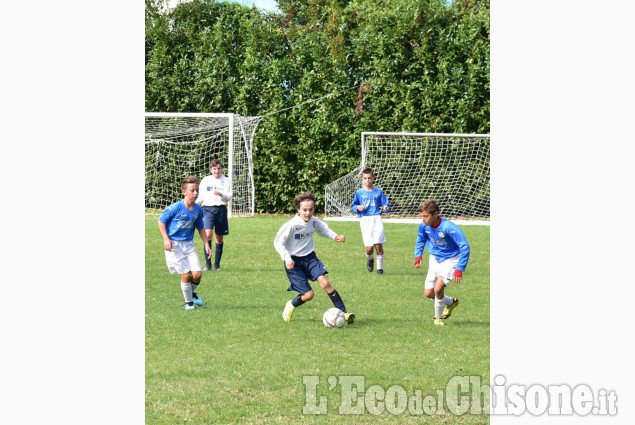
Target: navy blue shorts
(216, 217)
(304, 269)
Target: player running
(294, 243)
(449, 254)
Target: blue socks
(337, 300)
(218, 254)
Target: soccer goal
(410, 168)
(183, 144)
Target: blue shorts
(305, 268)
(216, 217)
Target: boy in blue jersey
(294, 243)
(176, 224)
(369, 203)
(449, 254)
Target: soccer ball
(333, 318)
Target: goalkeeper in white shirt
(294, 243)
(214, 194)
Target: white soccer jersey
(295, 237)
(209, 184)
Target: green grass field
(235, 360)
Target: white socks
(187, 291)
(448, 300)
(380, 262)
(439, 305)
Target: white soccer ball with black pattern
(333, 318)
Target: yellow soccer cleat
(349, 317)
(447, 311)
(287, 314)
(438, 322)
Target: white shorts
(183, 258)
(444, 269)
(372, 230)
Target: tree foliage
(321, 72)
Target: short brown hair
(188, 180)
(306, 196)
(429, 206)
(368, 171)
(215, 162)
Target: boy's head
(368, 177)
(429, 212)
(305, 205)
(189, 187)
(216, 168)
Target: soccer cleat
(349, 317)
(438, 322)
(447, 311)
(369, 265)
(208, 267)
(380, 271)
(190, 307)
(287, 314)
(216, 266)
(196, 299)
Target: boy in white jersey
(294, 243)
(176, 224)
(369, 203)
(215, 193)
(449, 254)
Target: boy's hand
(418, 262)
(361, 208)
(216, 192)
(340, 238)
(386, 208)
(458, 276)
(208, 251)
(289, 265)
(167, 244)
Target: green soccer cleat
(287, 314)
(349, 317)
(438, 322)
(447, 311)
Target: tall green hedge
(388, 65)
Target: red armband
(458, 273)
(418, 260)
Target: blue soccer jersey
(445, 241)
(373, 200)
(180, 221)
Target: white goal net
(181, 144)
(453, 169)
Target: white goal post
(183, 144)
(453, 169)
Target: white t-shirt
(209, 184)
(295, 237)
